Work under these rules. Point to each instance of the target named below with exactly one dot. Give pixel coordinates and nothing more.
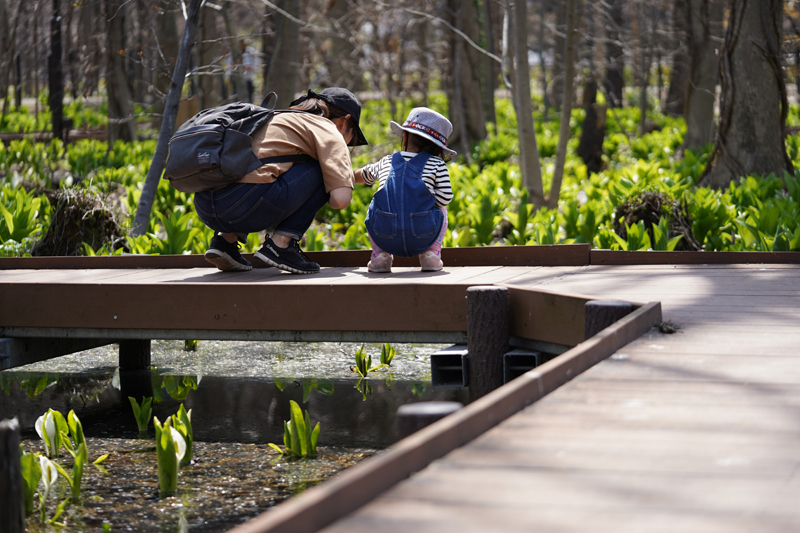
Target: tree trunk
(284, 65)
(145, 206)
(754, 105)
(488, 70)
(55, 74)
(87, 48)
(566, 106)
(639, 32)
(234, 58)
(341, 57)
(614, 82)
(679, 77)
(422, 35)
(9, 47)
(69, 50)
(556, 92)
(6, 55)
(543, 64)
(140, 81)
(705, 26)
(121, 125)
(167, 38)
(464, 95)
(529, 164)
(209, 53)
(593, 132)
(35, 24)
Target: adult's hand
(340, 197)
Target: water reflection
(353, 413)
(235, 411)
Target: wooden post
(135, 383)
(599, 314)
(134, 354)
(412, 417)
(12, 508)
(487, 338)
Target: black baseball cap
(347, 102)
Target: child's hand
(359, 176)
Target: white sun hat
(429, 124)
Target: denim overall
(402, 218)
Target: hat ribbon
(427, 129)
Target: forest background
(627, 124)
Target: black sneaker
(225, 255)
(291, 258)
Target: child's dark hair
(420, 144)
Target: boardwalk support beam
(21, 351)
(134, 354)
(450, 367)
(599, 314)
(412, 417)
(488, 334)
(12, 508)
(517, 362)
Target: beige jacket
(302, 133)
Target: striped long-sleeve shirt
(434, 175)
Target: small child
(408, 213)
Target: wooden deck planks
(443, 514)
(693, 431)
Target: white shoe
(380, 264)
(430, 262)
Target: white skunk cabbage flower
(47, 429)
(49, 473)
(180, 443)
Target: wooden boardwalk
(697, 430)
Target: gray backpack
(214, 148)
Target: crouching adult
(287, 196)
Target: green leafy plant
(31, 475)
(143, 412)
(364, 387)
(170, 448)
(314, 240)
(80, 457)
(299, 440)
(322, 386)
(364, 363)
(178, 387)
(661, 240)
(180, 233)
(521, 230)
(18, 214)
(387, 354)
(638, 238)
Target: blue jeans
(290, 203)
